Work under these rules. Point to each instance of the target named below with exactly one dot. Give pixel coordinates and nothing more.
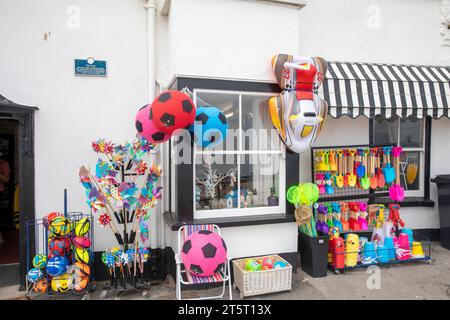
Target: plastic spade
(332, 160)
(339, 179)
(388, 170)
(396, 192)
(373, 176)
(360, 169)
(352, 176)
(381, 182)
(365, 181)
(345, 165)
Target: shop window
(245, 175)
(409, 134)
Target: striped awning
(387, 90)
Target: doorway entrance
(16, 189)
(9, 204)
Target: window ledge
(298, 4)
(409, 202)
(171, 221)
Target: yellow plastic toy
(417, 250)
(351, 250)
(380, 219)
(323, 164)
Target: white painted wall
(336, 132)
(229, 38)
(73, 110)
(409, 32)
(254, 240)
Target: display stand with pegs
(127, 280)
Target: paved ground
(409, 281)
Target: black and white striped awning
(355, 89)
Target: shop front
(399, 105)
(373, 110)
(370, 106)
(249, 203)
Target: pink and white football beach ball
(204, 253)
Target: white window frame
(421, 151)
(236, 212)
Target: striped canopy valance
(356, 89)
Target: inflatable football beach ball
(204, 253)
(146, 128)
(210, 127)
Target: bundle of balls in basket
(264, 263)
(65, 267)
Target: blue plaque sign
(90, 67)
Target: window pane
(411, 133)
(385, 132)
(229, 105)
(258, 132)
(410, 170)
(216, 182)
(260, 180)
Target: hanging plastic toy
(298, 112)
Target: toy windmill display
(122, 191)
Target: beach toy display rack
(352, 172)
(382, 256)
(357, 211)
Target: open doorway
(16, 190)
(9, 203)
(9, 189)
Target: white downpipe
(156, 224)
(151, 7)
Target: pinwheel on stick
(96, 199)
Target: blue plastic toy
(210, 127)
(279, 265)
(328, 184)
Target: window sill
(171, 221)
(409, 202)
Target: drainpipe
(155, 222)
(151, 7)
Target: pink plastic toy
(403, 252)
(204, 253)
(362, 216)
(267, 263)
(320, 182)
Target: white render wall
(253, 240)
(228, 38)
(73, 110)
(385, 31)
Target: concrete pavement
(417, 281)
